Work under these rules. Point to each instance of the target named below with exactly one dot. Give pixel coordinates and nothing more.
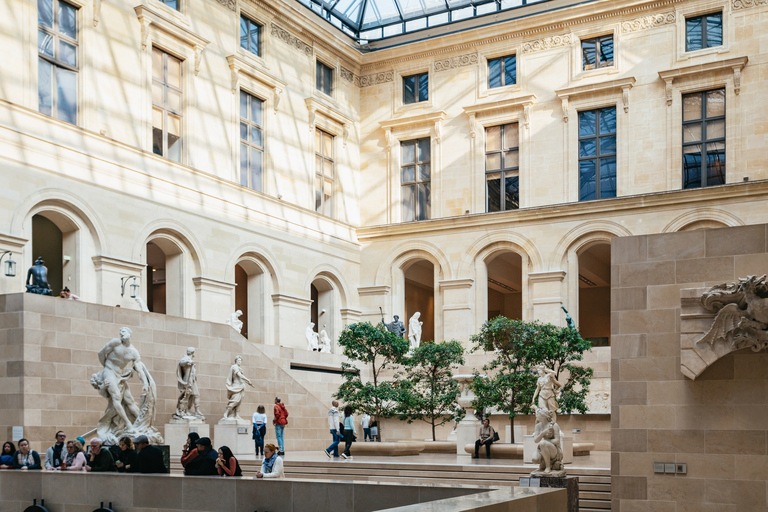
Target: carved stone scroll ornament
(650, 21)
(742, 316)
(456, 62)
(744, 4)
(547, 43)
(377, 78)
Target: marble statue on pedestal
(38, 274)
(325, 342)
(546, 390)
(187, 406)
(549, 453)
(123, 416)
(414, 331)
(235, 322)
(312, 337)
(235, 392)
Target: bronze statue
(39, 276)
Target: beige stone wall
(714, 424)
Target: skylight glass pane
(348, 10)
(486, 8)
(438, 19)
(393, 30)
(418, 24)
(380, 12)
(462, 14)
(508, 4)
(453, 4)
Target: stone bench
(515, 451)
(440, 447)
(388, 449)
(583, 448)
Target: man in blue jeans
(333, 425)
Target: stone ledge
(515, 451)
(388, 449)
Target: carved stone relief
(547, 43)
(291, 40)
(744, 4)
(455, 62)
(646, 22)
(377, 78)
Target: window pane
(691, 107)
(243, 105)
(67, 20)
(606, 50)
(608, 120)
(243, 33)
(716, 163)
(493, 138)
(328, 168)
(318, 136)
(424, 150)
(66, 82)
(494, 73)
(511, 192)
(493, 191)
(692, 132)
(587, 148)
(409, 203)
(157, 93)
(256, 136)
(318, 194)
(424, 172)
(714, 30)
(424, 202)
(45, 12)
(408, 174)
(157, 132)
(716, 103)
(510, 70)
(256, 108)
(157, 64)
(607, 177)
(243, 165)
(174, 100)
(68, 53)
(716, 130)
(607, 145)
(692, 166)
(493, 161)
(45, 43)
(409, 152)
(588, 53)
(328, 198)
(173, 4)
(318, 76)
(587, 123)
(409, 90)
(327, 79)
(511, 136)
(254, 38)
(174, 138)
(693, 34)
(327, 145)
(256, 169)
(511, 159)
(424, 87)
(44, 85)
(586, 180)
(174, 72)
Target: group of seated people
(136, 456)
(199, 458)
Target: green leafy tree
(428, 391)
(510, 384)
(379, 349)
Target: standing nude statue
(187, 406)
(546, 389)
(235, 390)
(123, 416)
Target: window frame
(598, 156)
(417, 88)
(332, 73)
(165, 107)
(260, 27)
(416, 182)
(704, 141)
(703, 18)
(501, 58)
(597, 40)
(55, 61)
(324, 210)
(502, 170)
(250, 124)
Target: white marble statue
(142, 304)
(188, 404)
(235, 322)
(235, 390)
(546, 390)
(312, 337)
(325, 342)
(549, 453)
(123, 416)
(414, 331)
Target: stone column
(547, 296)
(109, 271)
(458, 316)
(292, 316)
(371, 299)
(213, 299)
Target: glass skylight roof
(376, 19)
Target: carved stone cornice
(458, 61)
(733, 66)
(350, 76)
(650, 21)
(547, 43)
(377, 78)
(745, 4)
(289, 39)
(622, 84)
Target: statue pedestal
(529, 448)
(236, 434)
(176, 432)
(466, 433)
(570, 484)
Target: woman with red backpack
(280, 421)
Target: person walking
(272, 466)
(349, 431)
(280, 420)
(366, 424)
(259, 430)
(333, 426)
(227, 464)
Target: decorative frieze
(291, 40)
(377, 78)
(455, 62)
(229, 4)
(348, 75)
(547, 43)
(650, 21)
(745, 4)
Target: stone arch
(412, 249)
(703, 218)
(259, 256)
(329, 295)
(500, 241)
(255, 278)
(178, 233)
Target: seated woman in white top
(272, 467)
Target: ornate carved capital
(198, 58)
(565, 108)
(96, 11)
(278, 95)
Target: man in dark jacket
(150, 457)
(100, 460)
(205, 462)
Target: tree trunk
(512, 428)
(434, 438)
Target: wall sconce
(134, 286)
(10, 265)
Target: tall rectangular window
(323, 173)
(703, 31)
(57, 63)
(597, 154)
(250, 33)
(324, 78)
(415, 88)
(166, 105)
(597, 52)
(173, 4)
(415, 172)
(251, 141)
(502, 71)
(502, 171)
(704, 139)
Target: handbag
(495, 436)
